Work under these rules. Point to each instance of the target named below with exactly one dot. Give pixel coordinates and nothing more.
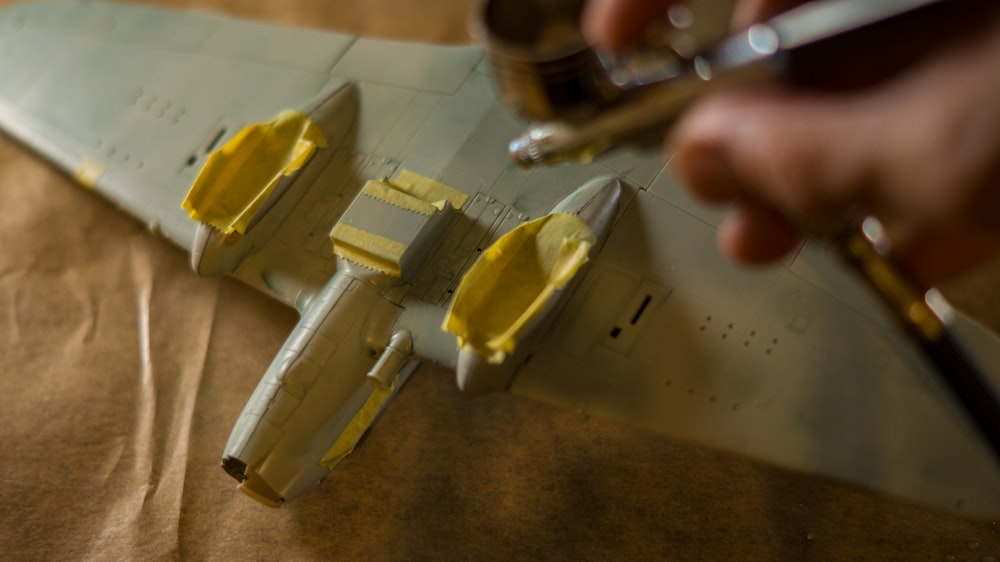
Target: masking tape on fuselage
(428, 190)
(408, 191)
(356, 428)
(387, 193)
(365, 248)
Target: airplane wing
(793, 364)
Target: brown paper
(122, 373)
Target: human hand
(920, 150)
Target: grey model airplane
(366, 183)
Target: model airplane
(366, 183)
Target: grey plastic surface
(794, 364)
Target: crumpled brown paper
(122, 372)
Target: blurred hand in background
(919, 150)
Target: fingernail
(709, 175)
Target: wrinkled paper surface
(122, 373)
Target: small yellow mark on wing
(89, 172)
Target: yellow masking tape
(427, 189)
(361, 421)
(409, 191)
(387, 193)
(89, 172)
(512, 281)
(367, 249)
(238, 176)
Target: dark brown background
(96, 463)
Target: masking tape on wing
(510, 284)
(356, 428)
(89, 172)
(238, 177)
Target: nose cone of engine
(595, 203)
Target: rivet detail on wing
(514, 280)
(238, 176)
(392, 224)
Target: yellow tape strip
(348, 439)
(428, 190)
(512, 281)
(367, 249)
(89, 172)
(386, 192)
(238, 177)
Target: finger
(709, 173)
(620, 24)
(755, 234)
